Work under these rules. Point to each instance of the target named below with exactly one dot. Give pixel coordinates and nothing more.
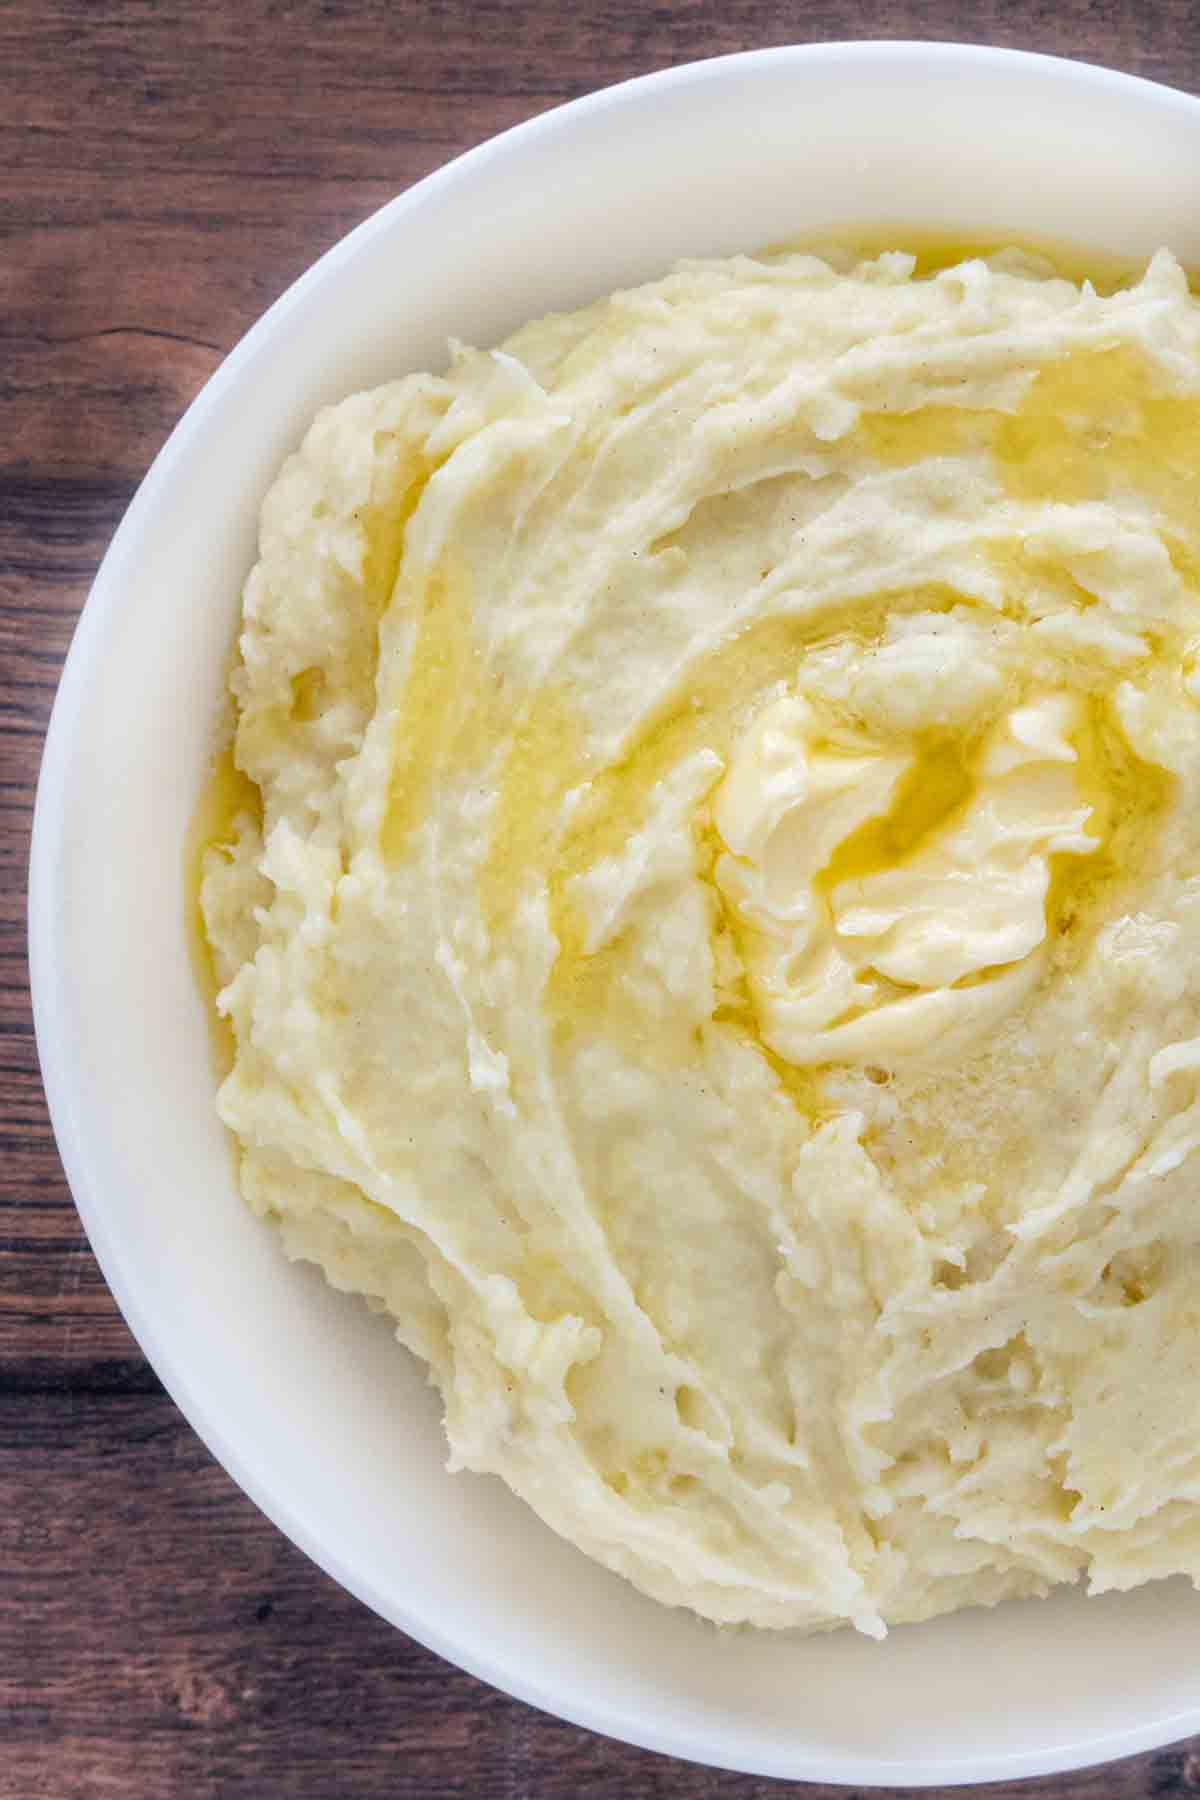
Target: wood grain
(169, 168)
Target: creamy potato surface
(710, 928)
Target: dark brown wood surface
(166, 169)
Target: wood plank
(58, 1322)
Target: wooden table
(168, 169)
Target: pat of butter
(857, 968)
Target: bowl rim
(51, 1008)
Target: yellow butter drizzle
(440, 670)
(1092, 425)
(935, 789)
(934, 251)
(226, 796)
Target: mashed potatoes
(717, 957)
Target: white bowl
(306, 1399)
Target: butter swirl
(927, 951)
